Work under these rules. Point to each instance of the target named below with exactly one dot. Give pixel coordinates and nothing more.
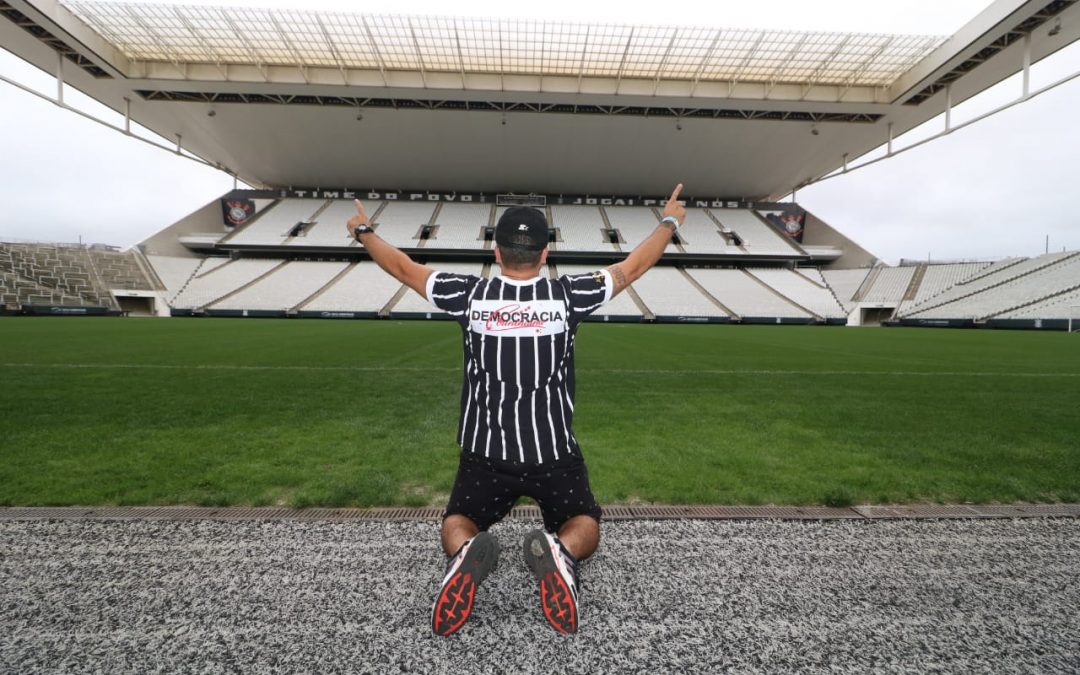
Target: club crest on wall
(237, 211)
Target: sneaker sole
(555, 598)
(455, 602)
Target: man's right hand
(648, 252)
(674, 207)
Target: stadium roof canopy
(323, 99)
(460, 46)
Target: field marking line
(613, 371)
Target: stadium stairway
(314, 217)
(198, 270)
(147, 269)
(934, 284)
(912, 289)
(712, 298)
(728, 235)
(993, 269)
(832, 291)
(96, 274)
(395, 299)
(314, 296)
(929, 305)
(815, 315)
(802, 290)
(249, 284)
(642, 307)
(435, 227)
(1036, 301)
(867, 284)
(609, 227)
(913, 285)
(208, 265)
(120, 270)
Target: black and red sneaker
(464, 571)
(556, 570)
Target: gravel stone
(158, 596)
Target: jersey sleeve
(450, 293)
(586, 293)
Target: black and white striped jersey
(517, 394)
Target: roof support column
(889, 153)
(59, 78)
(127, 116)
(1027, 65)
(948, 107)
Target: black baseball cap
(523, 227)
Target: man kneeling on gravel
(517, 405)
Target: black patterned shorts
(485, 490)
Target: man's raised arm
(648, 252)
(391, 259)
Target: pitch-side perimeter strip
(614, 371)
(611, 512)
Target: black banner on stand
(790, 219)
(236, 212)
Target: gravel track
(146, 596)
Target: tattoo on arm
(619, 277)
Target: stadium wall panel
(433, 315)
(1028, 324)
(336, 314)
(691, 319)
(248, 313)
(937, 323)
(779, 320)
(67, 310)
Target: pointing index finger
(675, 193)
(359, 206)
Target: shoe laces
(450, 560)
(571, 563)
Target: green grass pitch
(305, 412)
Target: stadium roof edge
(456, 130)
(993, 29)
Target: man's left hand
(361, 218)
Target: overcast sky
(990, 190)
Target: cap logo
(523, 227)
